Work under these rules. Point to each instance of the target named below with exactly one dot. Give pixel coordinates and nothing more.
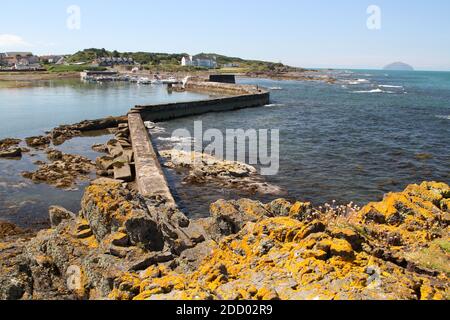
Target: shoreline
(10, 80)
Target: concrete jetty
(150, 178)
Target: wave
(276, 88)
(273, 105)
(153, 128)
(443, 117)
(373, 91)
(390, 86)
(358, 81)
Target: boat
(171, 80)
(144, 81)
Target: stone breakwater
(242, 96)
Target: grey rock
(59, 214)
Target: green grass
(445, 245)
(73, 68)
(171, 68)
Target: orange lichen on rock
(283, 254)
(414, 216)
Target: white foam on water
(274, 105)
(373, 91)
(275, 88)
(176, 139)
(390, 86)
(357, 82)
(443, 117)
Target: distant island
(399, 66)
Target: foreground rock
(63, 170)
(122, 246)
(81, 257)
(297, 253)
(203, 168)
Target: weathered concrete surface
(150, 178)
(243, 97)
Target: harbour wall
(150, 177)
(234, 97)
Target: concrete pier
(238, 97)
(150, 178)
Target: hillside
(172, 61)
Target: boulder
(38, 142)
(9, 142)
(144, 232)
(8, 229)
(123, 172)
(59, 214)
(11, 153)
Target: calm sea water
(369, 133)
(34, 110)
(31, 111)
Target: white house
(199, 61)
(187, 61)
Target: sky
(303, 33)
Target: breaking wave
(373, 91)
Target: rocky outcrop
(63, 170)
(58, 215)
(65, 132)
(296, 252)
(39, 142)
(116, 231)
(123, 246)
(203, 168)
(11, 153)
(9, 148)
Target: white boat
(144, 81)
(171, 80)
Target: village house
(52, 59)
(199, 61)
(11, 58)
(112, 61)
(20, 61)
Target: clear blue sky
(309, 33)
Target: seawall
(240, 96)
(150, 177)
